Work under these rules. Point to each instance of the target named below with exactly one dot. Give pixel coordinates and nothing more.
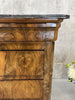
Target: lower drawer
(21, 90)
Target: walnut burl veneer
(26, 55)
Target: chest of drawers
(26, 55)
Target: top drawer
(27, 34)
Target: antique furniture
(26, 55)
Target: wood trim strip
(28, 20)
(16, 25)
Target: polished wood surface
(48, 69)
(26, 57)
(26, 90)
(28, 34)
(21, 65)
(28, 20)
(35, 46)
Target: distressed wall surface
(65, 45)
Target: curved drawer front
(21, 90)
(21, 65)
(28, 34)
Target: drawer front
(21, 90)
(21, 65)
(28, 34)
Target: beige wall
(65, 45)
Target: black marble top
(49, 16)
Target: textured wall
(65, 45)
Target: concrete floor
(62, 90)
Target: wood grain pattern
(32, 90)
(28, 34)
(48, 69)
(22, 46)
(21, 65)
(26, 57)
(27, 89)
(5, 90)
(9, 34)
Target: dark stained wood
(21, 65)
(28, 34)
(29, 90)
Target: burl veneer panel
(21, 90)
(28, 34)
(21, 65)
